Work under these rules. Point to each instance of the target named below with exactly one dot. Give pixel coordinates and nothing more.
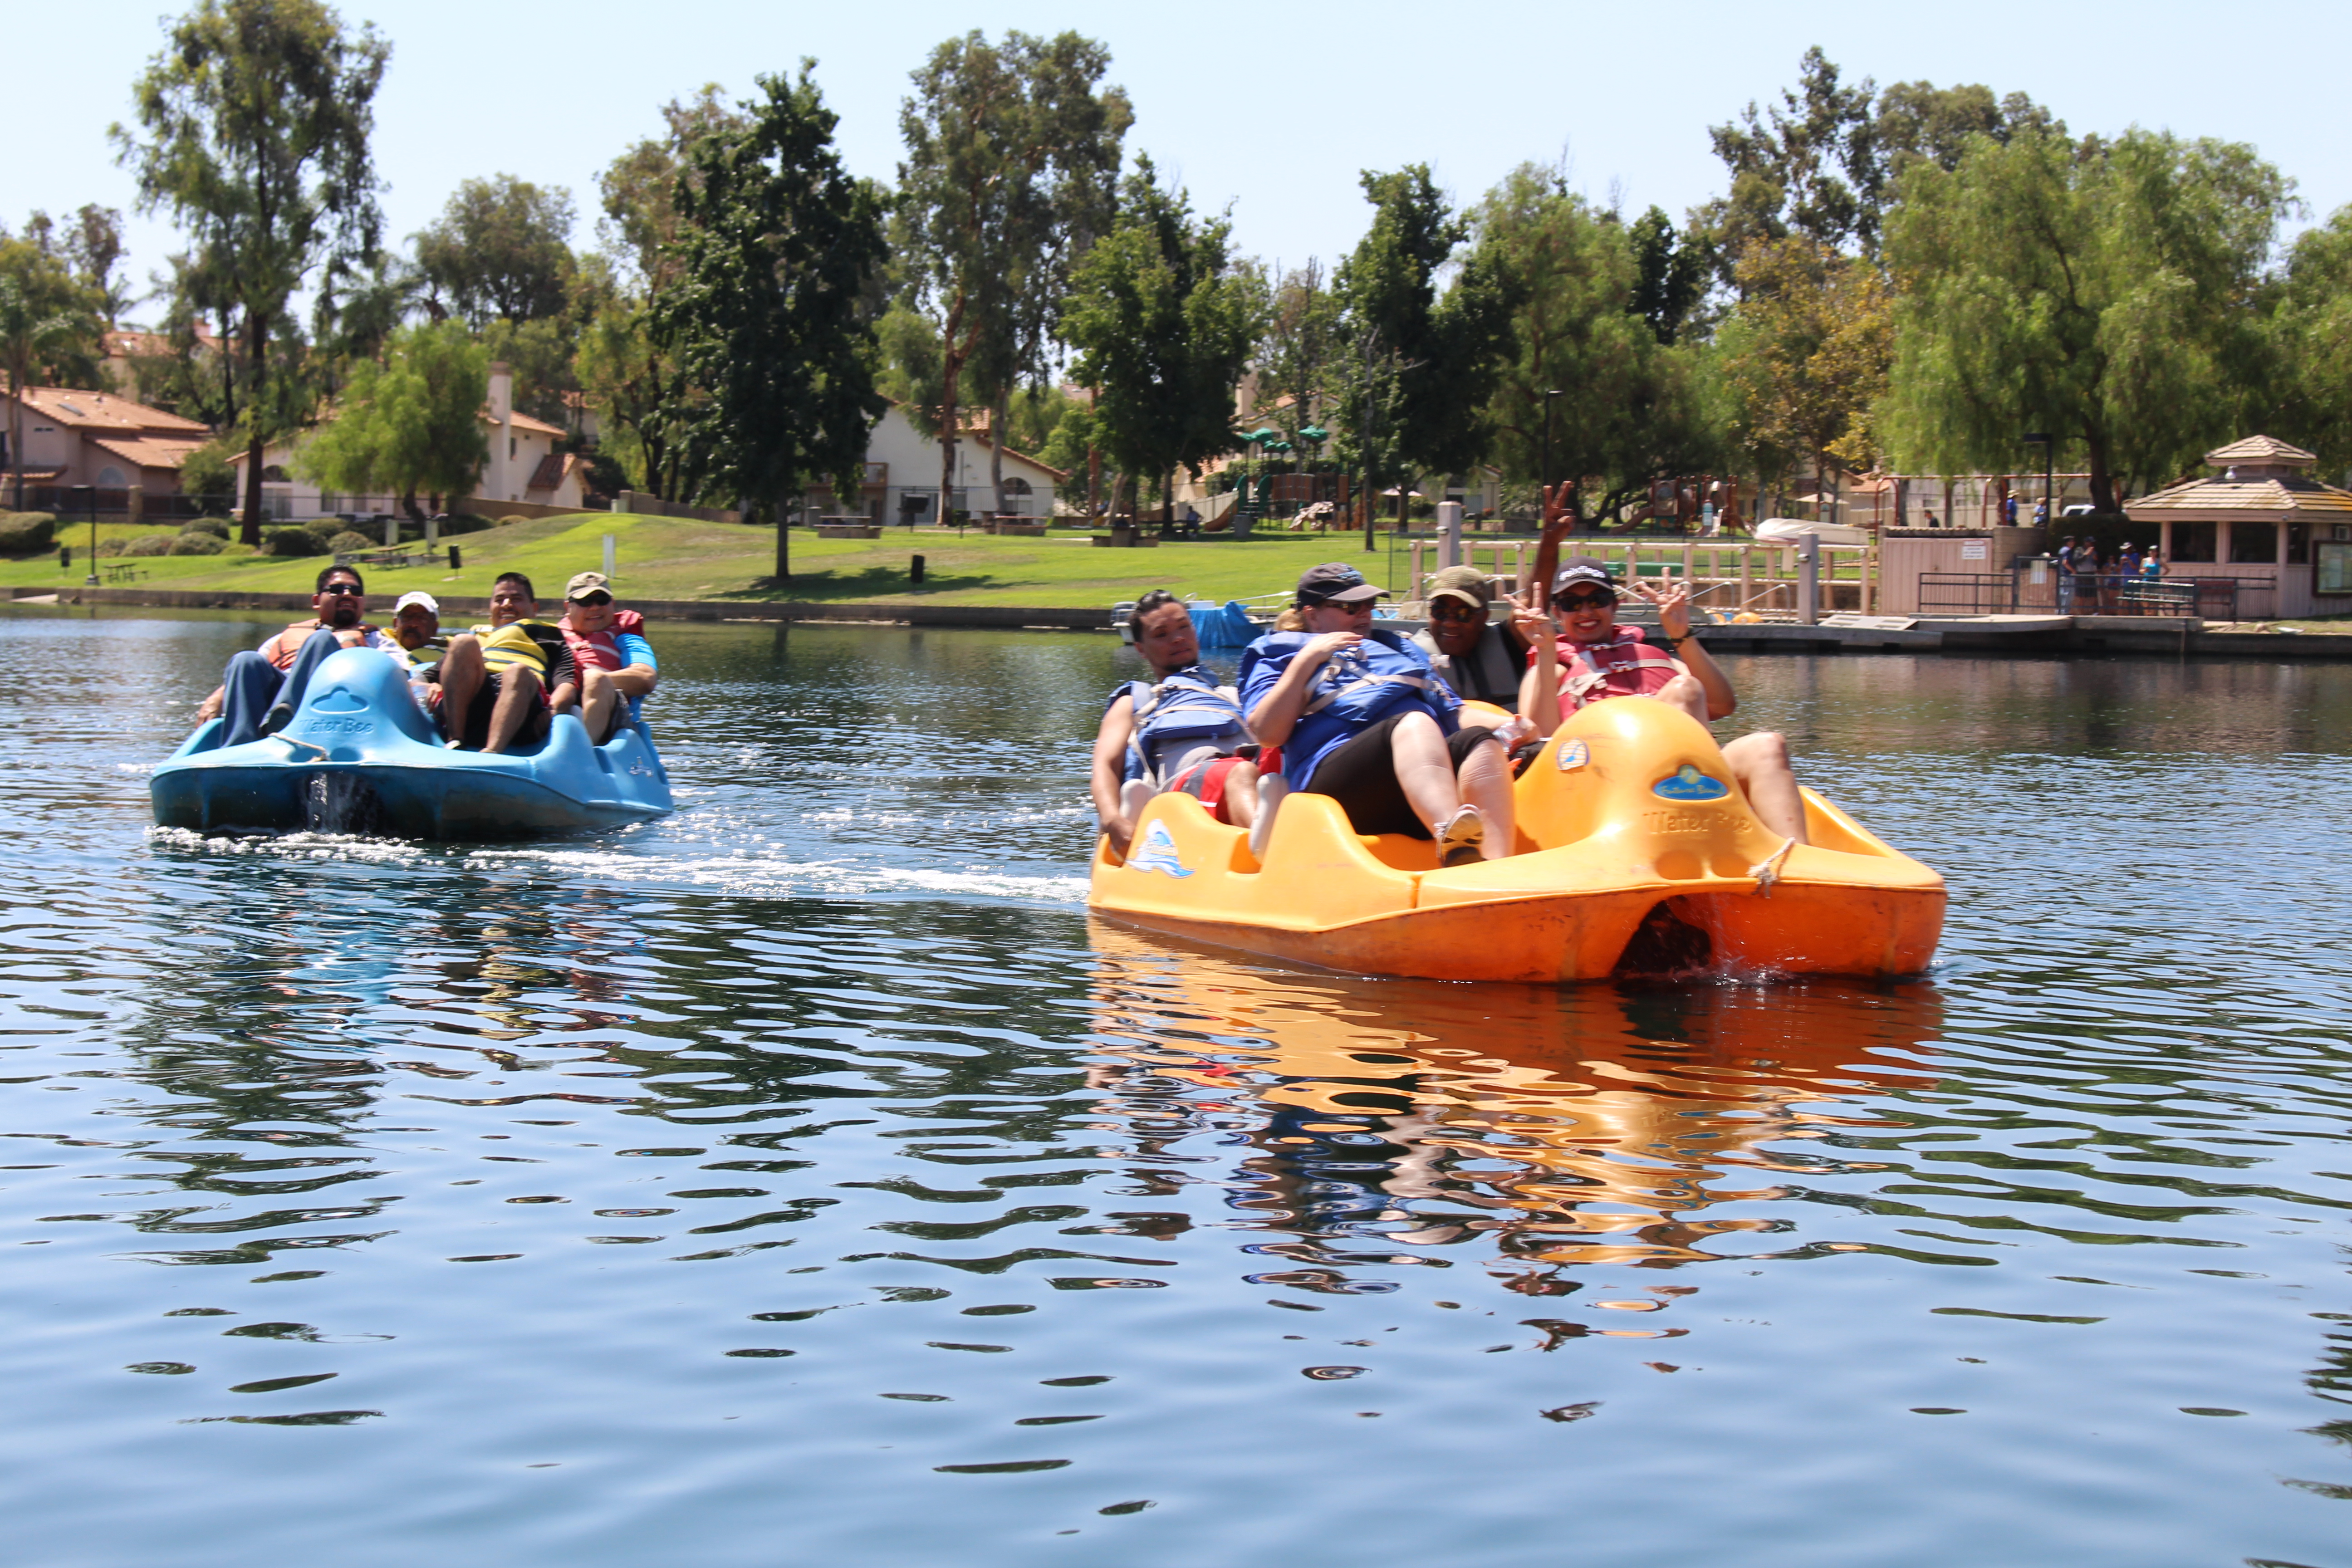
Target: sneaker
(1460, 837)
(277, 718)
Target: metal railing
(2017, 592)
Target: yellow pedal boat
(1636, 856)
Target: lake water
(803, 1179)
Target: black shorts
(1360, 776)
(474, 733)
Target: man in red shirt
(260, 690)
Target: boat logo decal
(1688, 784)
(324, 724)
(1159, 853)
(1574, 754)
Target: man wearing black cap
(1359, 716)
(1593, 658)
(1480, 659)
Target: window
(1017, 486)
(2334, 574)
(2298, 545)
(2254, 543)
(110, 478)
(510, 445)
(2192, 541)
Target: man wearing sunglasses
(1479, 659)
(1361, 717)
(260, 690)
(1591, 658)
(501, 683)
(616, 663)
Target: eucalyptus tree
(770, 319)
(1013, 150)
(1164, 317)
(256, 116)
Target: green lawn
(673, 558)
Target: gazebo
(2284, 537)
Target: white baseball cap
(416, 597)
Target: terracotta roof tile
(105, 411)
(2246, 495)
(547, 475)
(147, 451)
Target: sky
(1275, 112)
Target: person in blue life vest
(1178, 730)
(1361, 717)
(1589, 657)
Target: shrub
(195, 544)
(510, 522)
(348, 542)
(149, 544)
(216, 527)
(25, 532)
(291, 542)
(110, 547)
(464, 522)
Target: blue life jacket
(1181, 713)
(1386, 674)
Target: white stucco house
(902, 476)
(523, 465)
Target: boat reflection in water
(1546, 1128)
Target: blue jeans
(251, 686)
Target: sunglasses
(598, 599)
(1584, 601)
(1444, 611)
(339, 589)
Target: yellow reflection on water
(1558, 1126)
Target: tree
(47, 328)
(1164, 319)
(94, 247)
(1446, 350)
(501, 249)
(1301, 352)
(1592, 388)
(2311, 402)
(1806, 351)
(257, 115)
(1670, 275)
(409, 425)
(647, 403)
(777, 246)
(2105, 293)
(1012, 149)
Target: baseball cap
(1582, 569)
(585, 584)
(1336, 582)
(416, 597)
(1466, 584)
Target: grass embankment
(676, 558)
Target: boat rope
(313, 746)
(1766, 871)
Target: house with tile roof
(902, 475)
(129, 452)
(523, 465)
(2284, 537)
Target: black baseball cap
(1336, 582)
(1584, 569)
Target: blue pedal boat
(361, 756)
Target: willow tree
(771, 317)
(2107, 293)
(256, 116)
(408, 423)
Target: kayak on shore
(1636, 858)
(361, 756)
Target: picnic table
(124, 573)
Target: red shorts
(1205, 782)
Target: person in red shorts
(1178, 730)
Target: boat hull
(1612, 878)
(359, 756)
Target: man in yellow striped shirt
(501, 683)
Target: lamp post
(86, 495)
(2049, 470)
